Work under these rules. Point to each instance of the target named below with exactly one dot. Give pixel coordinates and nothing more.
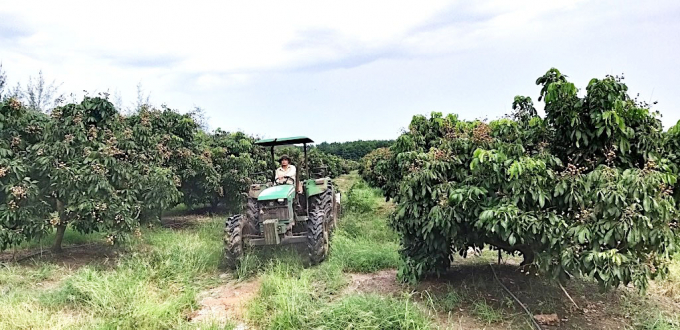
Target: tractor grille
(280, 212)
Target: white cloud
(254, 55)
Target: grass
(292, 297)
(152, 287)
(486, 312)
(364, 244)
(370, 311)
(71, 237)
(450, 301)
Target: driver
(286, 173)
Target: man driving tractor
(285, 174)
(290, 209)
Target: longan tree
(586, 190)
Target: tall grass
(364, 243)
(361, 198)
(70, 237)
(295, 298)
(370, 311)
(151, 288)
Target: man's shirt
(289, 171)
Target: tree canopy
(353, 150)
(588, 189)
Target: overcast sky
(341, 70)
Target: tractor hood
(276, 192)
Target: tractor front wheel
(253, 216)
(318, 226)
(233, 242)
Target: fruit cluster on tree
(588, 189)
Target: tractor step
(283, 241)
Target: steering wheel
(285, 180)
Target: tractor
(279, 214)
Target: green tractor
(304, 212)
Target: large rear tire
(318, 225)
(233, 241)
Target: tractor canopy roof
(284, 141)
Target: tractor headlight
(281, 200)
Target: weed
(359, 311)
(364, 255)
(660, 322)
(486, 312)
(249, 266)
(71, 237)
(285, 292)
(296, 298)
(450, 301)
(360, 198)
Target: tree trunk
(526, 251)
(61, 228)
(60, 236)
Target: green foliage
(236, 159)
(374, 164)
(21, 207)
(606, 121)
(175, 142)
(353, 150)
(320, 163)
(89, 173)
(87, 167)
(583, 191)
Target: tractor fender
(317, 186)
(255, 189)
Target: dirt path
(226, 302)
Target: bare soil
(184, 221)
(383, 282)
(475, 282)
(73, 256)
(226, 302)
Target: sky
(340, 70)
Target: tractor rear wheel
(233, 241)
(318, 225)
